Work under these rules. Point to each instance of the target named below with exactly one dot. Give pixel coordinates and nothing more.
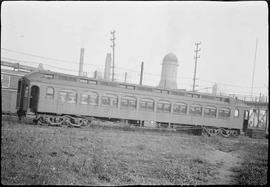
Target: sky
(145, 32)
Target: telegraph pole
(196, 57)
(254, 62)
(113, 45)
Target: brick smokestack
(81, 62)
(107, 70)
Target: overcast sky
(145, 31)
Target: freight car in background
(10, 74)
(57, 98)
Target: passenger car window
(71, 97)
(195, 109)
(62, 96)
(224, 113)
(105, 100)
(109, 100)
(163, 106)
(26, 92)
(147, 104)
(236, 113)
(5, 80)
(50, 92)
(84, 99)
(128, 102)
(93, 98)
(180, 108)
(210, 111)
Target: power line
(145, 73)
(118, 67)
(57, 67)
(119, 76)
(60, 60)
(47, 58)
(28, 54)
(232, 85)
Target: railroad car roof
(47, 74)
(12, 72)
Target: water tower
(169, 72)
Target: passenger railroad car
(46, 92)
(9, 85)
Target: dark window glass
(105, 100)
(147, 104)
(128, 102)
(210, 111)
(163, 106)
(180, 108)
(19, 86)
(224, 113)
(109, 100)
(195, 110)
(26, 92)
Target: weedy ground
(33, 154)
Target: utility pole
(254, 62)
(196, 57)
(113, 45)
(141, 77)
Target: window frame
(238, 112)
(3, 79)
(163, 103)
(128, 100)
(222, 109)
(84, 99)
(196, 106)
(148, 102)
(180, 109)
(60, 94)
(112, 98)
(209, 115)
(67, 94)
(90, 100)
(74, 96)
(50, 95)
(26, 92)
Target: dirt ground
(99, 156)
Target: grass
(105, 156)
(255, 164)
